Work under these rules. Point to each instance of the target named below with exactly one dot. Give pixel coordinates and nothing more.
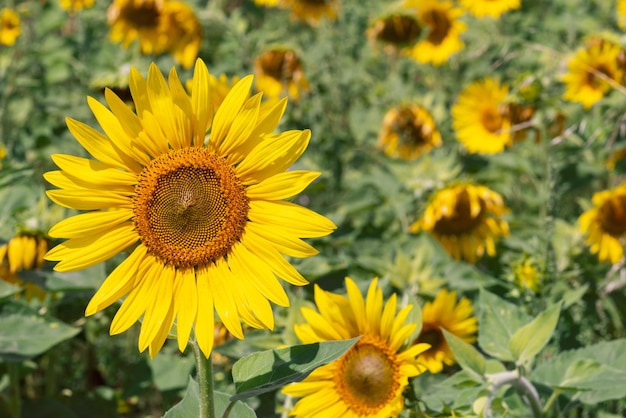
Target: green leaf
(170, 371)
(7, 289)
(498, 320)
(267, 370)
(26, 334)
(598, 371)
(467, 356)
(189, 406)
(529, 340)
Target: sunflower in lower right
(368, 380)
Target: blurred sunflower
(25, 251)
(491, 8)
(279, 72)
(396, 32)
(605, 224)
(466, 219)
(75, 5)
(527, 274)
(593, 72)
(10, 26)
(268, 3)
(312, 11)
(444, 313)
(159, 26)
(408, 131)
(480, 117)
(621, 13)
(205, 222)
(368, 380)
(444, 35)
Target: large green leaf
(7, 289)
(529, 340)
(25, 333)
(467, 356)
(267, 370)
(599, 371)
(170, 371)
(498, 320)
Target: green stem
(14, 381)
(521, 385)
(229, 408)
(551, 401)
(204, 371)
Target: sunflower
(593, 72)
(204, 221)
(444, 35)
(408, 131)
(158, 25)
(605, 224)
(527, 274)
(25, 251)
(267, 3)
(480, 117)
(445, 313)
(312, 11)
(466, 219)
(75, 5)
(396, 32)
(10, 26)
(368, 380)
(621, 13)
(491, 8)
(279, 72)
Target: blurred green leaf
(529, 340)
(267, 370)
(467, 356)
(171, 370)
(7, 289)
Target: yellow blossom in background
(158, 25)
(593, 72)
(75, 5)
(368, 380)
(441, 19)
(312, 11)
(605, 224)
(204, 220)
(527, 274)
(466, 219)
(10, 26)
(396, 32)
(268, 3)
(621, 13)
(25, 251)
(408, 131)
(490, 8)
(279, 73)
(445, 313)
(480, 119)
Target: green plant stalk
(14, 382)
(521, 385)
(204, 372)
(551, 401)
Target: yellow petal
(89, 223)
(228, 110)
(157, 307)
(186, 304)
(89, 199)
(205, 319)
(282, 185)
(302, 221)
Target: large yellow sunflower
(396, 32)
(444, 313)
(491, 8)
(466, 219)
(203, 220)
(593, 72)
(279, 72)
(312, 11)
(480, 117)
(10, 26)
(368, 380)
(444, 35)
(408, 131)
(605, 224)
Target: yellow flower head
(75, 5)
(396, 31)
(527, 274)
(203, 218)
(605, 224)
(279, 73)
(480, 117)
(159, 26)
(593, 72)
(621, 13)
(312, 11)
(444, 313)
(444, 30)
(368, 380)
(408, 131)
(10, 26)
(267, 3)
(24, 251)
(466, 219)
(490, 8)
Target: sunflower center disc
(434, 337)
(190, 208)
(461, 219)
(367, 377)
(613, 216)
(411, 131)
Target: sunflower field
(312, 208)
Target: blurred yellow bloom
(408, 131)
(279, 73)
(466, 219)
(444, 30)
(268, 3)
(490, 8)
(621, 13)
(445, 313)
(312, 11)
(605, 224)
(10, 26)
(593, 72)
(75, 5)
(24, 251)
(397, 32)
(159, 26)
(527, 275)
(368, 380)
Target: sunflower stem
(14, 382)
(204, 372)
